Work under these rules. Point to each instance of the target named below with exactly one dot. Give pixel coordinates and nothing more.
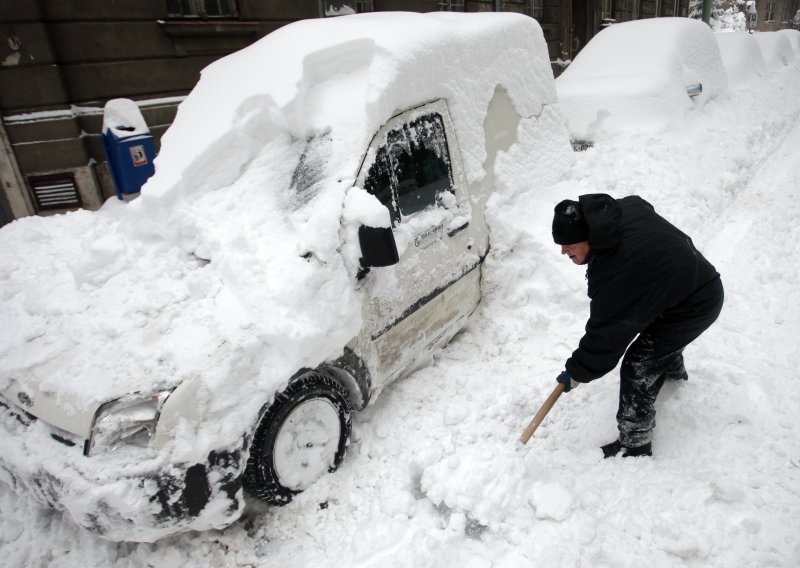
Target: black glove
(568, 382)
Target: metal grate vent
(56, 191)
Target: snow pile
(741, 56)
(634, 76)
(776, 48)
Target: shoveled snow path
(435, 477)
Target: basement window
(57, 191)
(202, 9)
(451, 5)
(329, 8)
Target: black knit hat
(569, 226)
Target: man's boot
(612, 449)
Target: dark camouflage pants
(657, 355)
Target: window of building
(770, 12)
(202, 9)
(606, 9)
(411, 171)
(451, 5)
(531, 8)
(345, 7)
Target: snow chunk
(551, 501)
(479, 482)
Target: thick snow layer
(742, 58)
(378, 63)
(776, 49)
(634, 76)
(433, 476)
(123, 118)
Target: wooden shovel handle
(537, 419)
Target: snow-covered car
(776, 47)
(315, 229)
(641, 76)
(793, 36)
(741, 57)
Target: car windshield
(310, 169)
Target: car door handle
(458, 229)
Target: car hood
(97, 307)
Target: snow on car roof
(741, 57)
(776, 49)
(298, 78)
(668, 44)
(634, 75)
(794, 38)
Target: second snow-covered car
(315, 228)
(641, 75)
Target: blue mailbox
(128, 145)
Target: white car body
(234, 293)
(634, 76)
(777, 48)
(742, 58)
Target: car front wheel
(302, 436)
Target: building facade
(62, 60)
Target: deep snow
(434, 476)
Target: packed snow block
(776, 49)
(128, 145)
(741, 57)
(637, 76)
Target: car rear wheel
(302, 436)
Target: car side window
(412, 168)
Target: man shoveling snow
(645, 278)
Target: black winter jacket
(640, 268)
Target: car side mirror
(694, 89)
(378, 247)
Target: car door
(414, 169)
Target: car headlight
(128, 421)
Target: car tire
(301, 436)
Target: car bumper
(122, 495)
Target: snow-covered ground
(434, 475)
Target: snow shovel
(537, 419)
